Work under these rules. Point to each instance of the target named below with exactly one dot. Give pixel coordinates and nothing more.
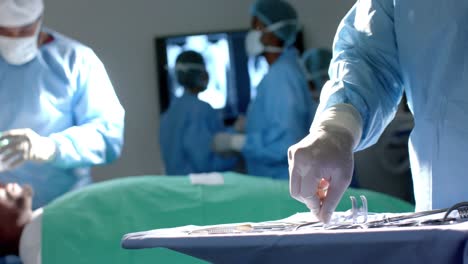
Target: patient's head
(15, 213)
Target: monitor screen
(233, 76)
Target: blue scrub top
(278, 117)
(65, 94)
(186, 134)
(383, 47)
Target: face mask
(18, 51)
(253, 43)
(254, 46)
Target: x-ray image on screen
(216, 55)
(233, 76)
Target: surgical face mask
(253, 41)
(18, 51)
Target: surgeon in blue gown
(189, 125)
(59, 114)
(281, 113)
(382, 48)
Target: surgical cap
(189, 68)
(16, 13)
(273, 11)
(316, 62)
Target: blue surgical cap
(316, 63)
(190, 68)
(273, 11)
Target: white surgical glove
(321, 164)
(225, 143)
(20, 145)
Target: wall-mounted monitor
(233, 75)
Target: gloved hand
(321, 164)
(20, 145)
(225, 143)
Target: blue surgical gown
(187, 130)
(278, 117)
(64, 93)
(383, 47)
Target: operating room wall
(122, 32)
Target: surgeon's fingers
(11, 157)
(11, 150)
(4, 150)
(10, 143)
(310, 184)
(14, 162)
(5, 145)
(337, 186)
(4, 142)
(294, 177)
(299, 167)
(322, 189)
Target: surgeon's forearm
(90, 144)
